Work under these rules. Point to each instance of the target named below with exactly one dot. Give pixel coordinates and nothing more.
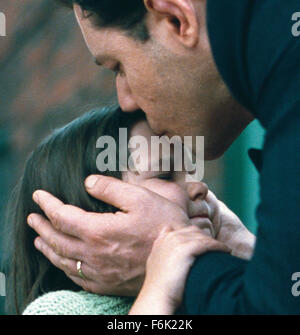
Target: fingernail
(30, 221)
(91, 181)
(37, 244)
(35, 197)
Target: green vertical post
(241, 180)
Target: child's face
(200, 204)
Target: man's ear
(180, 16)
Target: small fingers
(202, 244)
(192, 240)
(185, 231)
(210, 245)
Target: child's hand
(170, 260)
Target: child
(67, 157)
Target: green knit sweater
(78, 303)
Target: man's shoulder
(257, 53)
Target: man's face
(179, 90)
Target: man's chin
(217, 150)
(211, 154)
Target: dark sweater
(259, 59)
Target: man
(162, 52)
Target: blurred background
(47, 78)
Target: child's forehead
(142, 128)
(156, 152)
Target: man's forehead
(96, 38)
(103, 44)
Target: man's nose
(197, 190)
(126, 99)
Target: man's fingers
(60, 243)
(115, 192)
(126, 196)
(67, 265)
(86, 284)
(66, 218)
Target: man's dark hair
(128, 15)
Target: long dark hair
(58, 165)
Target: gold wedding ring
(79, 270)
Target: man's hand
(113, 248)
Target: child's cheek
(168, 190)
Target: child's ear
(180, 18)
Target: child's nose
(197, 190)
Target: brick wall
(46, 73)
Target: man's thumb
(112, 191)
